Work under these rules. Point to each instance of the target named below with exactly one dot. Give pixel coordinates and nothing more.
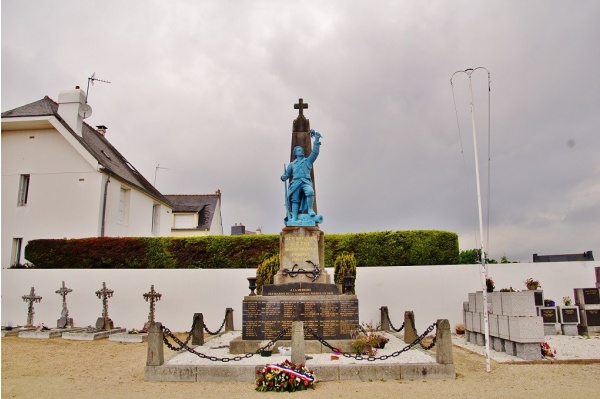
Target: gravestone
(302, 289)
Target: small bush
(265, 272)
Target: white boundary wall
(432, 292)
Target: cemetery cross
(104, 293)
(152, 296)
(31, 298)
(63, 291)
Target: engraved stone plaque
(593, 317)
(263, 318)
(549, 315)
(569, 315)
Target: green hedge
(391, 248)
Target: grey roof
(586, 256)
(95, 143)
(203, 204)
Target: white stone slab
(518, 303)
(46, 334)
(526, 329)
(85, 336)
(126, 337)
(479, 301)
(503, 331)
(477, 322)
(14, 331)
(496, 302)
(469, 321)
(472, 302)
(494, 327)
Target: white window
(156, 219)
(124, 199)
(23, 190)
(184, 222)
(15, 257)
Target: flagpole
(483, 270)
(483, 275)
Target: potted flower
(532, 284)
(460, 329)
(363, 345)
(567, 300)
(549, 303)
(489, 284)
(378, 341)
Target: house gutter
(104, 205)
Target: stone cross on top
(63, 291)
(301, 106)
(31, 298)
(104, 294)
(152, 296)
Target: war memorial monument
(302, 288)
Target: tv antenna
(156, 172)
(91, 79)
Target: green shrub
(265, 272)
(344, 266)
(388, 248)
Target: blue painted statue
(299, 196)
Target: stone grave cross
(152, 297)
(31, 298)
(63, 291)
(104, 294)
(301, 106)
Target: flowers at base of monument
(489, 284)
(337, 351)
(547, 351)
(284, 377)
(530, 281)
(567, 300)
(460, 328)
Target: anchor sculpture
(314, 273)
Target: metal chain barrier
(389, 321)
(358, 356)
(183, 345)
(414, 328)
(220, 328)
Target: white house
(63, 179)
(196, 215)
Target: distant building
(586, 256)
(240, 230)
(63, 179)
(196, 215)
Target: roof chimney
(101, 130)
(69, 104)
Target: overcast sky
(207, 89)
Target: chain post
(155, 355)
(384, 317)
(229, 319)
(410, 334)
(197, 333)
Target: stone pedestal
(301, 256)
(302, 291)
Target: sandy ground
(56, 368)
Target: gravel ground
(218, 347)
(567, 348)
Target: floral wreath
(284, 377)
